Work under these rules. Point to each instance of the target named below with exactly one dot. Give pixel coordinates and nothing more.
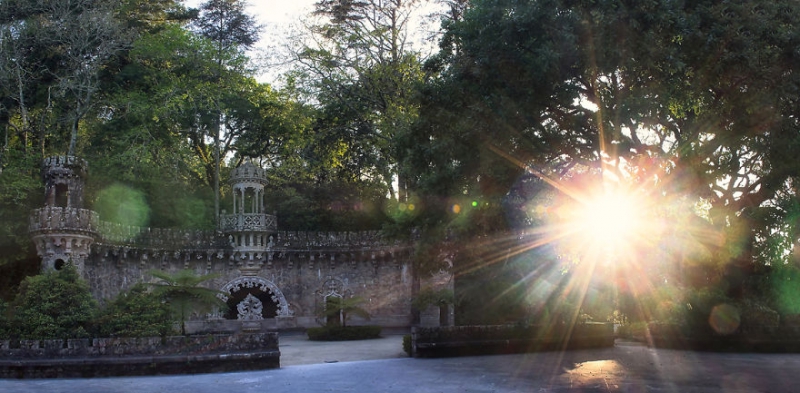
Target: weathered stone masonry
(288, 275)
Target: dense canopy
(501, 150)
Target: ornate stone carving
(250, 309)
(263, 285)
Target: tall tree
(358, 63)
(690, 100)
(225, 23)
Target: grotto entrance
(253, 298)
(266, 305)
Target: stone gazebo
(249, 228)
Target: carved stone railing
(311, 240)
(256, 222)
(159, 238)
(64, 165)
(87, 222)
(52, 219)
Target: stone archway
(262, 284)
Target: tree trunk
(73, 139)
(216, 168)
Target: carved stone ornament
(263, 285)
(250, 309)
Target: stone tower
(249, 229)
(63, 231)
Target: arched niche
(263, 285)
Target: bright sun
(610, 221)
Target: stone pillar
(234, 200)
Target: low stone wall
(777, 339)
(497, 339)
(103, 357)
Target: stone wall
(102, 357)
(291, 272)
(500, 339)
(382, 277)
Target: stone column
(234, 200)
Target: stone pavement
(628, 367)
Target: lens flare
(611, 221)
(123, 205)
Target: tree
(358, 65)
(183, 293)
(64, 46)
(53, 305)
(226, 25)
(692, 101)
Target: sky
(280, 20)
(271, 11)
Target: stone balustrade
(64, 219)
(160, 238)
(310, 240)
(64, 165)
(52, 219)
(250, 222)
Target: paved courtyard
(341, 367)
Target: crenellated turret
(63, 231)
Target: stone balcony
(248, 222)
(52, 219)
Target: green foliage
(338, 310)
(5, 325)
(19, 193)
(432, 297)
(407, 344)
(343, 333)
(135, 313)
(559, 87)
(785, 289)
(327, 206)
(182, 292)
(365, 78)
(56, 304)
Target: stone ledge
(485, 340)
(106, 357)
(139, 365)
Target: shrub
(337, 310)
(341, 333)
(135, 313)
(57, 304)
(4, 323)
(407, 344)
(184, 294)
